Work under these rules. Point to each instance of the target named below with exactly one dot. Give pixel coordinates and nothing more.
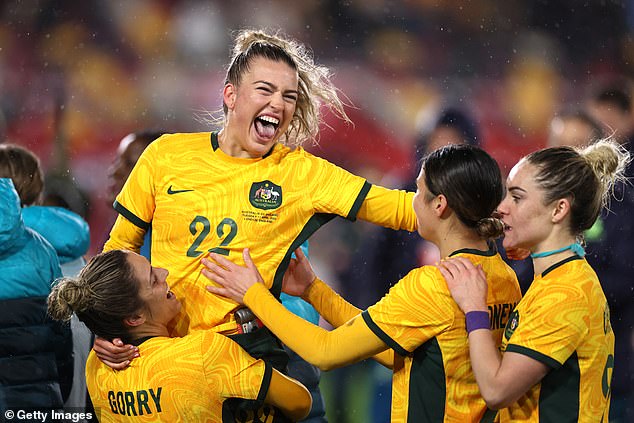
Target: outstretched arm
(502, 379)
(389, 208)
(300, 280)
(347, 344)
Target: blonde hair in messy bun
(315, 87)
(68, 296)
(608, 159)
(104, 294)
(585, 176)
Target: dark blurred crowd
(76, 77)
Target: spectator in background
(26, 274)
(36, 358)
(128, 153)
(386, 255)
(574, 128)
(66, 232)
(610, 248)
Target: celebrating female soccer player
(558, 344)
(120, 295)
(248, 185)
(459, 188)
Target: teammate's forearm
(330, 305)
(337, 311)
(389, 208)
(485, 361)
(347, 344)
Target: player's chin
(175, 313)
(508, 242)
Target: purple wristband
(477, 320)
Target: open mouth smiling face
(266, 126)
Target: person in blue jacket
(35, 352)
(69, 237)
(29, 262)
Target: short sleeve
(550, 327)
(136, 200)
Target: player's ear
(561, 209)
(229, 95)
(439, 204)
(135, 320)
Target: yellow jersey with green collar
(433, 380)
(189, 379)
(198, 199)
(563, 321)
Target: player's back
(175, 379)
(433, 379)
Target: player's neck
(148, 330)
(454, 239)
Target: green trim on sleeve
(382, 335)
(266, 382)
(352, 215)
(542, 358)
(131, 216)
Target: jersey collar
(215, 145)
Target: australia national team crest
(512, 324)
(265, 195)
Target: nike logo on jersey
(171, 191)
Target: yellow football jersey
(433, 380)
(563, 321)
(198, 199)
(177, 380)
